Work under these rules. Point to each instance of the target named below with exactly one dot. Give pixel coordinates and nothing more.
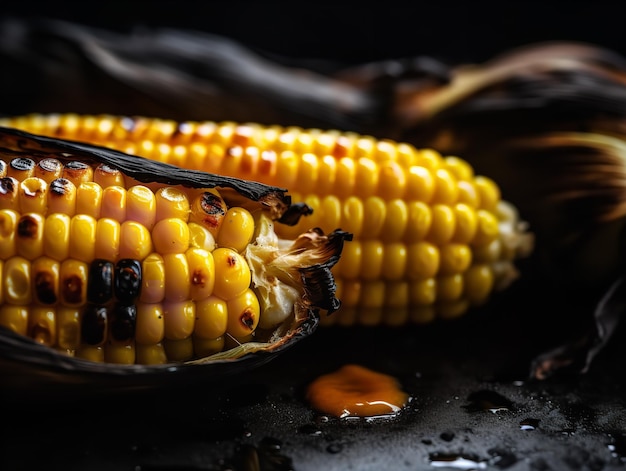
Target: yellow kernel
(454, 258)
(14, 318)
(205, 347)
(119, 353)
(8, 228)
(48, 169)
(179, 319)
(489, 192)
(422, 314)
(236, 230)
(449, 287)
(89, 199)
(201, 273)
(487, 228)
(327, 174)
(468, 194)
(443, 224)
(352, 215)
(32, 196)
(329, 211)
(346, 177)
(243, 314)
(93, 353)
(395, 261)
(420, 184)
(392, 181)
(461, 169)
(200, 237)
(170, 236)
(446, 190)
(16, 282)
(452, 309)
(29, 237)
(307, 173)
(478, 283)
(372, 255)
(177, 285)
(135, 241)
(152, 279)
(423, 292)
(419, 221)
(396, 221)
(108, 235)
(422, 260)
(349, 264)
(466, 223)
(211, 318)
(171, 202)
(232, 273)
(83, 231)
(366, 177)
(114, 203)
(141, 205)
(374, 214)
(68, 328)
(153, 354)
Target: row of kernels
(370, 260)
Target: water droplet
(310, 429)
(488, 400)
(334, 448)
(467, 462)
(529, 424)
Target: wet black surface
(472, 407)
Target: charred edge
(139, 168)
(293, 214)
(318, 280)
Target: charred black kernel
(100, 281)
(8, 186)
(76, 170)
(72, 289)
(50, 165)
(123, 321)
(93, 327)
(44, 287)
(22, 164)
(127, 280)
(61, 187)
(213, 208)
(27, 227)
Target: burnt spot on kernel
(22, 165)
(248, 318)
(100, 281)
(93, 327)
(8, 186)
(198, 278)
(213, 209)
(72, 289)
(77, 172)
(127, 280)
(27, 227)
(61, 187)
(123, 321)
(45, 287)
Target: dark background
(360, 31)
(261, 421)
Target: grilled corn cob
(431, 238)
(115, 259)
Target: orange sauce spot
(356, 391)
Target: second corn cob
(431, 238)
(115, 259)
